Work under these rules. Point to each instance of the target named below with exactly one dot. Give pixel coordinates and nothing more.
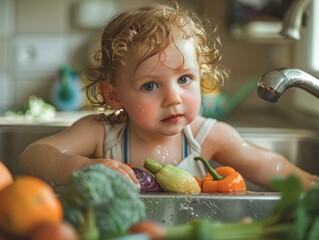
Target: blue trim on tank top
(126, 147)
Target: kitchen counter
(61, 119)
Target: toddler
(152, 67)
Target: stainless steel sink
(299, 146)
(169, 209)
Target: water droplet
(162, 152)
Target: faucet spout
(273, 83)
(293, 18)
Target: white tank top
(116, 145)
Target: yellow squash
(171, 178)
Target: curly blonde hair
(152, 28)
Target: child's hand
(122, 168)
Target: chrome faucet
(293, 18)
(273, 83)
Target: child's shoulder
(91, 117)
(90, 120)
(96, 122)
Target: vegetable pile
(176, 180)
(97, 204)
(101, 203)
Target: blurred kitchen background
(40, 37)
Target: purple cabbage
(147, 181)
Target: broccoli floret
(113, 200)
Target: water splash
(162, 152)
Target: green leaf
(314, 231)
(300, 226)
(291, 191)
(307, 216)
(310, 201)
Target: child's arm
(256, 164)
(55, 157)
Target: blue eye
(150, 86)
(184, 80)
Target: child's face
(164, 95)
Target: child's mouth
(173, 119)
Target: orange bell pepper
(221, 179)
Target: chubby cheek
(142, 111)
(192, 102)
(193, 105)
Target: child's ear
(109, 95)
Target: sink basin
(169, 209)
(300, 146)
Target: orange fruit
(6, 177)
(28, 201)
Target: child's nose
(172, 96)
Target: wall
(307, 58)
(6, 30)
(41, 36)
